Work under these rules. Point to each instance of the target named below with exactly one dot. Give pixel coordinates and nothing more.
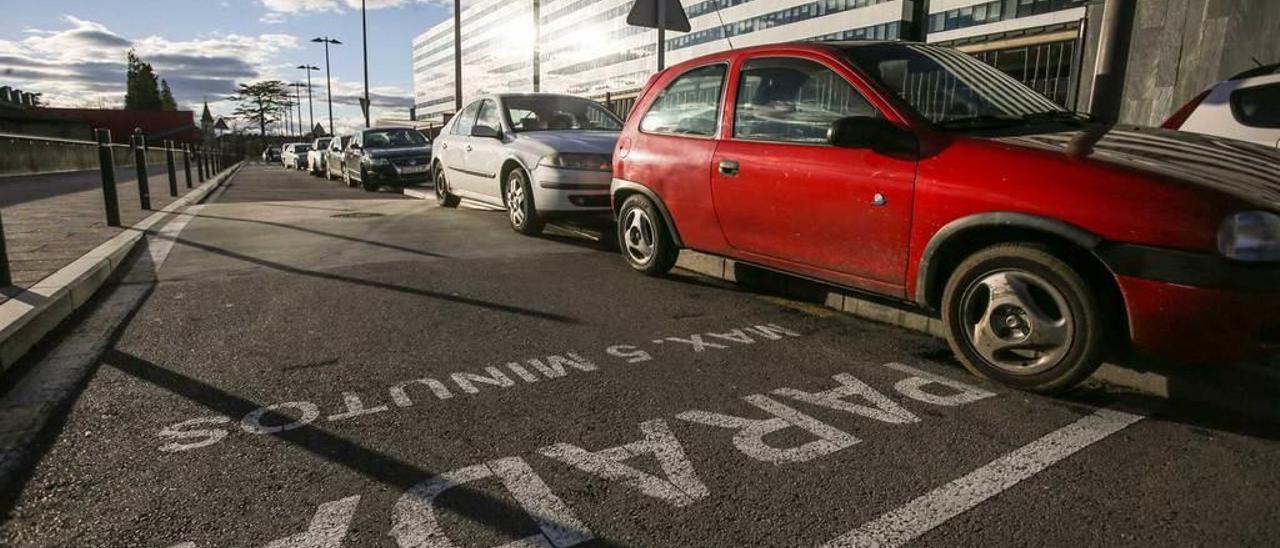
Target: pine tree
(141, 90)
(261, 102)
(167, 101)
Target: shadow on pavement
(319, 233)
(475, 505)
(380, 285)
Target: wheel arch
(622, 189)
(962, 237)
(509, 164)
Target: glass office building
(585, 47)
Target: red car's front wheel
(1018, 314)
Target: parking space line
(927, 512)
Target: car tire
(441, 186)
(522, 213)
(644, 238)
(1018, 314)
(366, 182)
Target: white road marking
(936, 507)
(327, 529)
(415, 525)
(749, 438)
(680, 488)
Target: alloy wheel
(1017, 321)
(516, 201)
(638, 235)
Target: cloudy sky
(73, 51)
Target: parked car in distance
(294, 155)
(539, 156)
(271, 154)
(394, 156)
(917, 173)
(1245, 107)
(333, 157)
(316, 154)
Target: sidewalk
(52, 220)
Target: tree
(141, 91)
(167, 101)
(261, 103)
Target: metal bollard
(186, 162)
(140, 163)
(200, 161)
(173, 172)
(108, 166)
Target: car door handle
(444, 146)
(468, 149)
(729, 167)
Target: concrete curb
(1171, 383)
(26, 318)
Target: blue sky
(73, 50)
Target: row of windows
(883, 31)
(779, 18)
(968, 16)
(991, 12)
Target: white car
(537, 155)
(316, 156)
(294, 155)
(1245, 108)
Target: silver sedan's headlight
(586, 162)
(1250, 236)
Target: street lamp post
(364, 37)
(311, 105)
(328, 81)
(297, 92)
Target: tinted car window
(393, 138)
(789, 99)
(489, 115)
(1257, 106)
(465, 119)
(690, 105)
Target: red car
(1042, 238)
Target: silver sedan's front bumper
(557, 190)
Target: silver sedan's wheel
(638, 236)
(1017, 321)
(516, 203)
(521, 209)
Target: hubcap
(515, 201)
(1017, 321)
(638, 235)
(440, 184)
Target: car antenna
(1256, 61)
(727, 38)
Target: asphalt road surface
(317, 366)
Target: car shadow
(427, 293)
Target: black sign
(645, 14)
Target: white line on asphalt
(923, 514)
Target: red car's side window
(789, 99)
(690, 104)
